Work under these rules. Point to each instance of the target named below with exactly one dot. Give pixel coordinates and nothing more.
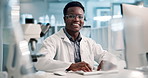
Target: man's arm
(55, 65)
(104, 65)
(106, 60)
(50, 65)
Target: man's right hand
(80, 66)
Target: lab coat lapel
(85, 52)
(70, 48)
(82, 48)
(68, 43)
(63, 36)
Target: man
(69, 50)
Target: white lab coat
(59, 53)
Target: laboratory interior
(119, 26)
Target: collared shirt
(76, 45)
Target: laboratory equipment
(135, 35)
(19, 62)
(45, 28)
(3, 75)
(31, 34)
(16, 61)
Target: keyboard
(96, 72)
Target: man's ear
(64, 18)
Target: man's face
(74, 19)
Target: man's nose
(77, 18)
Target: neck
(74, 35)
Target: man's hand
(104, 65)
(100, 66)
(80, 66)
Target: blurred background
(103, 19)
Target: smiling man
(69, 50)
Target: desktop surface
(121, 74)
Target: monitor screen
(135, 35)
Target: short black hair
(72, 4)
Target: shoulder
(91, 42)
(87, 39)
(58, 34)
(55, 37)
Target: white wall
(56, 9)
(37, 9)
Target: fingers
(85, 66)
(100, 66)
(88, 67)
(80, 66)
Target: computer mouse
(60, 73)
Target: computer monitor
(135, 35)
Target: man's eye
(80, 17)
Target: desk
(120, 74)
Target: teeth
(75, 24)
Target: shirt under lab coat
(59, 53)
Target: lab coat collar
(65, 38)
(79, 38)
